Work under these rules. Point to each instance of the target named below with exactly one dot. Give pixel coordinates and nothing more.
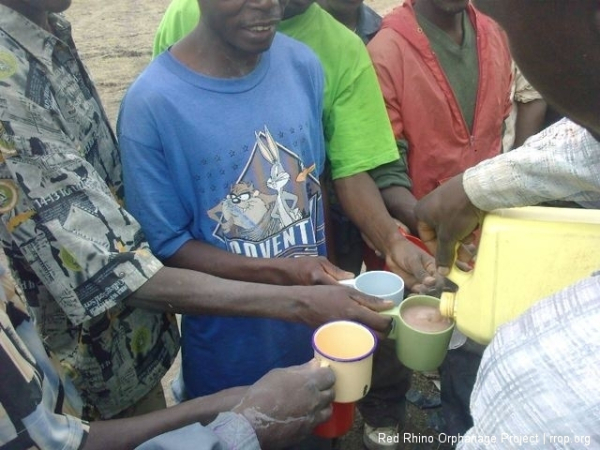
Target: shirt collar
(34, 39)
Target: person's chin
(258, 41)
(260, 46)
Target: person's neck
(36, 15)
(450, 23)
(347, 17)
(197, 54)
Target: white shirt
(560, 163)
(538, 383)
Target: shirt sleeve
(150, 191)
(388, 62)
(63, 217)
(394, 173)
(524, 91)
(560, 163)
(538, 377)
(229, 431)
(357, 129)
(31, 392)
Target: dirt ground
(114, 38)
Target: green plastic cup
(421, 333)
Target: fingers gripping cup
(347, 348)
(422, 334)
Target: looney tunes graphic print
(267, 211)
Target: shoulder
(401, 16)
(179, 10)
(14, 63)
(154, 77)
(322, 32)
(332, 25)
(494, 43)
(387, 44)
(286, 48)
(341, 36)
(179, 19)
(399, 27)
(369, 23)
(151, 89)
(293, 61)
(369, 12)
(488, 27)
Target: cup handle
(351, 282)
(394, 313)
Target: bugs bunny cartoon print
(284, 209)
(276, 193)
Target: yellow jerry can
(524, 255)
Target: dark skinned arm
(394, 183)
(530, 118)
(189, 292)
(121, 434)
(203, 257)
(282, 407)
(362, 202)
(400, 203)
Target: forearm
(560, 163)
(203, 257)
(190, 292)
(131, 432)
(394, 183)
(362, 202)
(400, 203)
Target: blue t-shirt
(234, 163)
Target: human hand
(466, 251)
(322, 304)
(285, 405)
(367, 241)
(446, 217)
(413, 264)
(309, 271)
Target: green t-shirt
(358, 133)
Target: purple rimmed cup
(347, 348)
